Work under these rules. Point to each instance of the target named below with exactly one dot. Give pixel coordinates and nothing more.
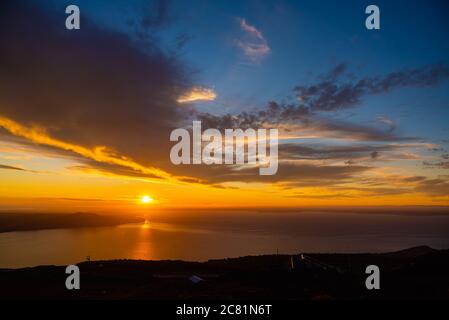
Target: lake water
(203, 238)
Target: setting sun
(146, 199)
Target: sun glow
(146, 225)
(146, 199)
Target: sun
(146, 199)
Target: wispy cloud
(253, 43)
(440, 164)
(2, 166)
(333, 93)
(197, 93)
(330, 94)
(7, 167)
(387, 121)
(100, 154)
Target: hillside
(420, 276)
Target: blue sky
(306, 38)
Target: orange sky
(51, 182)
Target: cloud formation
(3, 166)
(332, 93)
(92, 92)
(253, 43)
(98, 96)
(438, 164)
(301, 119)
(197, 93)
(329, 152)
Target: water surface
(203, 238)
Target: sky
(86, 115)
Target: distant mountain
(412, 253)
(435, 263)
(24, 222)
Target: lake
(203, 237)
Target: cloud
(330, 152)
(440, 164)
(303, 195)
(7, 167)
(334, 73)
(387, 121)
(351, 192)
(156, 14)
(411, 184)
(2, 166)
(374, 155)
(386, 186)
(352, 131)
(91, 92)
(197, 93)
(289, 174)
(332, 93)
(97, 96)
(301, 120)
(435, 187)
(99, 153)
(253, 43)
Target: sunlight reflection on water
(226, 238)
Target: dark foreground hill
(417, 273)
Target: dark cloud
(2, 166)
(333, 94)
(153, 16)
(300, 118)
(440, 164)
(156, 14)
(348, 130)
(334, 73)
(326, 152)
(274, 113)
(7, 167)
(414, 179)
(291, 174)
(90, 87)
(435, 187)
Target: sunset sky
(86, 115)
